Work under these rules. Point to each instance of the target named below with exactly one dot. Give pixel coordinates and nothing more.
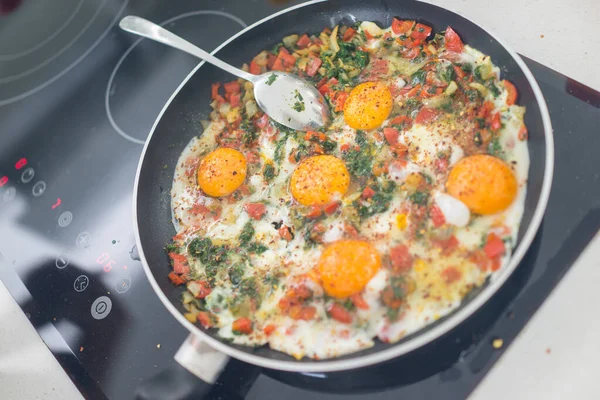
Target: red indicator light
(3, 181)
(58, 201)
(21, 163)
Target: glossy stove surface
(77, 99)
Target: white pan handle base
(200, 359)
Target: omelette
(318, 243)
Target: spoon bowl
(286, 98)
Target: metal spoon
(286, 98)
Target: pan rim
(418, 340)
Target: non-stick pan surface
(180, 121)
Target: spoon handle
(150, 30)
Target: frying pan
(179, 121)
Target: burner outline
(134, 45)
(14, 56)
(70, 67)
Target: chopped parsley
(269, 172)
(236, 273)
(246, 234)
(272, 78)
(257, 248)
(419, 198)
(299, 106)
(495, 148)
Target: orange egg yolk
(368, 106)
(319, 180)
(346, 266)
(221, 172)
(484, 183)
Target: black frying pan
(180, 119)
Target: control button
(9, 194)
(62, 261)
(83, 240)
(27, 175)
(81, 283)
(65, 219)
(123, 285)
(101, 307)
(39, 188)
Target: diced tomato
(269, 329)
(359, 301)
(204, 319)
(441, 164)
(453, 41)
(324, 89)
(307, 313)
(313, 65)
(339, 313)
(235, 99)
(485, 110)
(254, 68)
(176, 279)
(180, 264)
(285, 233)
(214, 90)
(349, 34)
(252, 158)
(391, 135)
(262, 122)
(278, 65)
(512, 93)
(448, 245)
(451, 274)
(191, 165)
(350, 231)
(331, 207)
(271, 58)
(378, 69)
(523, 134)
(426, 115)
(368, 35)
(401, 120)
(411, 91)
(420, 32)
(380, 168)
(340, 100)
(368, 193)
(287, 59)
(315, 212)
(437, 216)
(414, 44)
(345, 147)
(459, 72)
(232, 87)
(303, 42)
(255, 210)
(496, 264)
(400, 27)
(494, 246)
(242, 325)
(401, 258)
(496, 122)
(199, 209)
(200, 289)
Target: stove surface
(77, 100)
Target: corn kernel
(401, 221)
(420, 265)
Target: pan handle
(200, 359)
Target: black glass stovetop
(77, 99)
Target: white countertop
(556, 356)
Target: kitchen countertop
(558, 348)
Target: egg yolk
(368, 106)
(346, 266)
(484, 183)
(319, 180)
(221, 172)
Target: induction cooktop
(78, 98)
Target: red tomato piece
(349, 34)
(287, 59)
(262, 121)
(271, 58)
(494, 246)
(441, 165)
(285, 233)
(176, 279)
(400, 27)
(459, 72)
(451, 274)
(340, 100)
(204, 319)
(339, 313)
(437, 216)
(235, 99)
(254, 68)
(512, 92)
(426, 115)
(391, 135)
(331, 207)
(269, 329)
(315, 212)
(199, 209)
(368, 193)
(180, 264)
(401, 120)
(448, 245)
(496, 122)
(359, 301)
(278, 65)
(307, 313)
(303, 42)
(232, 87)
(313, 66)
(242, 325)
(255, 210)
(350, 231)
(401, 258)
(420, 32)
(200, 289)
(523, 134)
(453, 41)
